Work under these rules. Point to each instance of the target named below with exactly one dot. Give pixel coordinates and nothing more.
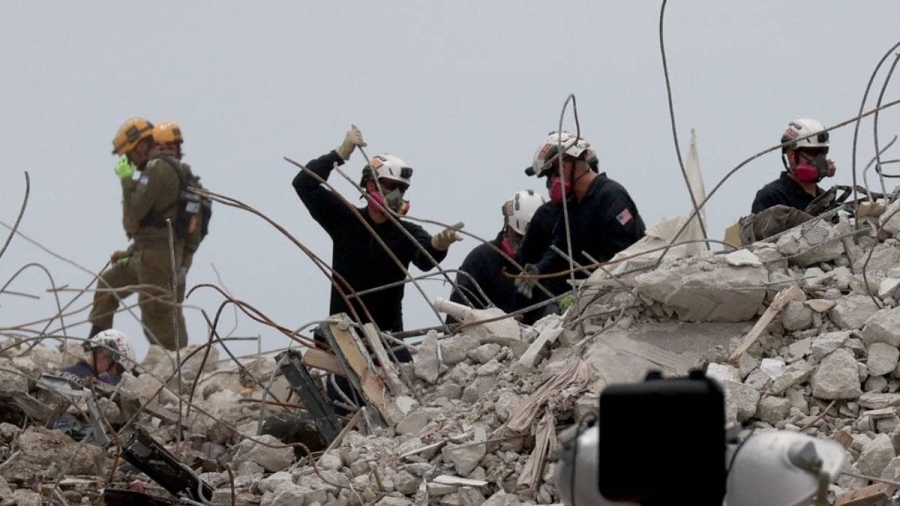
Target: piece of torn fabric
(560, 389)
(544, 444)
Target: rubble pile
(803, 334)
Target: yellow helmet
(167, 132)
(130, 134)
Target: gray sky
(463, 91)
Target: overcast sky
(463, 91)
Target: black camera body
(663, 441)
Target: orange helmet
(130, 134)
(167, 132)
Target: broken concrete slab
(883, 359)
(700, 289)
(820, 305)
(828, 342)
(811, 243)
(794, 374)
(852, 311)
(837, 377)
(797, 316)
(272, 459)
(455, 349)
(484, 353)
(773, 409)
(876, 455)
(428, 367)
(740, 402)
(882, 326)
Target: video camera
(664, 442)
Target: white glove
(442, 240)
(352, 140)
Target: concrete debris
(853, 311)
(876, 455)
(269, 452)
(882, 359)
(428, 367)
(475, 406)
(704, 289)
(883, 327)
(837, 377)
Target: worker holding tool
(480, 274)
(108, 355)
(148, 202)
(603, 219)
(805, 165)
(357, 256)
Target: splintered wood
(781, 300)
(354, 359)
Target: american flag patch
(624, 217)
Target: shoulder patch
(624, 217)
(144, 180)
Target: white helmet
(518, 210)
(802, 128)
(388, 166)
(547, 151)
(116, 342)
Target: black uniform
(357, 256)
(784, 191)
(603, 223)
(539, 234)
(484, 265)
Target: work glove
(526, 285)
(352, 140)
(125, 169)
(182, 275)
(120, 258)
(442, 240)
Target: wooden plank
(323, 360)
(389, 370)
(867, 496)
(673, 363)
(781, 300)
(359, 369)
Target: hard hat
(547, 151)
(167, 132)
(781, 467)
(388, 167)
(518, 210)
(801, 128)
(130, 134)
(116, 342)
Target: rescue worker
(356, 255)
(148, 202)
(167, 135)
(603, 219)
(483, 265)
(109, 354)
(539, 237)
(805, 165)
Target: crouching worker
(480, 282)
(108, 355)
